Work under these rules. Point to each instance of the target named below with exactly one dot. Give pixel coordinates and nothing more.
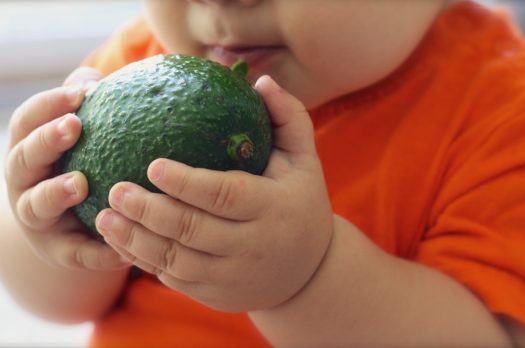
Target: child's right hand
(41, 129)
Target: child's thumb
(292, 127)
(83, 76)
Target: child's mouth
(254, 56)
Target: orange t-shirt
(429, 163)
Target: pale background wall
(41, 41)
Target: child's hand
(41, 129)
(231, 240)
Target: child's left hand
(231, 240)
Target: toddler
(392, 211)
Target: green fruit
(180, 107)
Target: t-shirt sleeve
(131, 42)
(477, 234)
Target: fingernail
(262, 81)
(156, 171)
(105, 221)
(69, 186)
(117, 198)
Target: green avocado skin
(169, 106)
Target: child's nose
(225, 2)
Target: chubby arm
(52, 292)
(361, 296)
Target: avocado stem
(240, 147)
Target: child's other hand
(231, 240)
(41, 129)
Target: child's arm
(361, 296)
(73, 278)
(55, 293)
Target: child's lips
(254, 56)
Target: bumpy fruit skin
(172, 106)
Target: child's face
(316, 49)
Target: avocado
(181, 107)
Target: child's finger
(174, 219)
(32, 159)
(68, 246)
(87, 254)
(82, 76)
(42, 108)
(143, 247)
(293, 129)
(188, 287)
(232, 195)
(42, 205)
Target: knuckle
(18, 159)
(70, 250)
(168, 260)
(78, 258)
(44, 138)
(187, 226)
(26, 211)
(142, 210)
(23, 157)
(224, 198)
(183, 184)
(130, 231)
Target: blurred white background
(41, 41)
